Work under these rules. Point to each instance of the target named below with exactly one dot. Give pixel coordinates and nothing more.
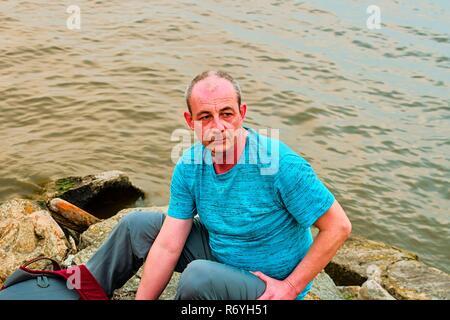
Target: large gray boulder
(372, 290)
(349, 266)
(401, 272)
(409, 279)
(97, 233)
(324, 289)
(102, 195)
(28, 231)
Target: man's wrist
(292, 287)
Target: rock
(323, 289)
(83, 256)
(311, 296)
(102, 195)
(372, 290)
(349, 266)
(68, 262)
(97, 233)
(171, 289)
(70, 215)
(349, 292)
(411, 279)
(72, 244)
(128, 291)
(27, 231)
(395, 270)
(374, 273)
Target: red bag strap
(89, 289)
(55, 264)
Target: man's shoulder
(270, 153)
(268, 141)
(192, 155)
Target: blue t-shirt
(259, 213)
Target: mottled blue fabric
(259, 213)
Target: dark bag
(75, 283)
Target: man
(233, 232)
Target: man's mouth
(217, 140)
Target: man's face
(216, 116)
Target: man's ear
(243, 110)
(189, 120)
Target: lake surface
(369, 108)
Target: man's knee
(195, 281)
(139, 222)
(210, 280)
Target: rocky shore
(362, 269)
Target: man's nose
(218, 123)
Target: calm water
(368, 108)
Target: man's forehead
(213, 88)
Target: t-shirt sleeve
(301, 191)
(181, 203)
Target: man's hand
(276, 289)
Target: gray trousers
(202, 277)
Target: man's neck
(223, 162)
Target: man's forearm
(158, 269)
(325, 246)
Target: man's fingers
(261, 275)
(263, 297)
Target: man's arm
(334, 229)
(163, 257)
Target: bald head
(207, 82)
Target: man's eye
(204, 118)
(227, 114)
